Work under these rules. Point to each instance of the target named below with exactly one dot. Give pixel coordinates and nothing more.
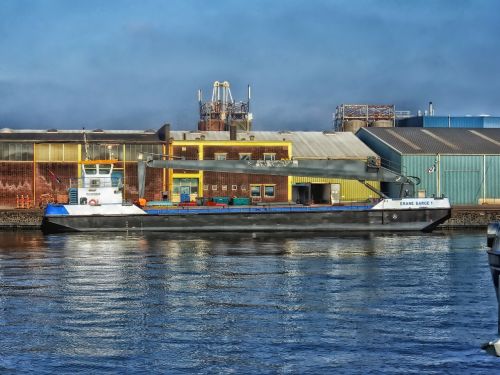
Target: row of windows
(132, 151)
(115, 151)
(268, 191)
(94, 151)
(256, 191)
(56, 152)
(69, 152)
(244, 156)
(53, 152)
(16, 152)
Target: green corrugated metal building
(461, 164)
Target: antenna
(249, 97)
(86, 145)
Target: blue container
(224, 200)
(241, 201)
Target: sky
(119, 64)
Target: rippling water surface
(245, 304)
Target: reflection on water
(245, 303)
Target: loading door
(320, 193)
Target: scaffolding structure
(367, 114)
(222, 110)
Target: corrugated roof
(306, 144)
(126, 136)
(439, 140)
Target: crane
(361, 170)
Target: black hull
(494, 261)
(336, 221)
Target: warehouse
(461, 164)
(476, 122)
(39, 166)
(308, 145)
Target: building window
(255, 191)
(56, 152)
(214, 187)
(243, 188)
(245, 156)
(16, 151)
(269, 156)
(224, 187)
(220, 156)
(269, 191)
(234, 187)
(132, 151)
(185, 185)
(205, 187)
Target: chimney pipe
(233, 132)
(431, 109)
(164, 133)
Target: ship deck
(251, 209)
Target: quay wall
(21, 219)
(472, 216)
(461, 217)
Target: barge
(99, 207)
(387, 215)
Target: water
(121, 303)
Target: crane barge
(401, 214)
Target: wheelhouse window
(90, 169)
(104, 168)
(255, 191)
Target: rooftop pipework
(222, 110)
(351, 117)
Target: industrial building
(472, 122)
(40, 166)
(461, 164)
(352, 117)
(302, 145)
(428, 119)
(222, 112)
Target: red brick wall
(186, 152)
(229, 179)
(234, 151)
(16, 178)
(154, 183)
(55, 179)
